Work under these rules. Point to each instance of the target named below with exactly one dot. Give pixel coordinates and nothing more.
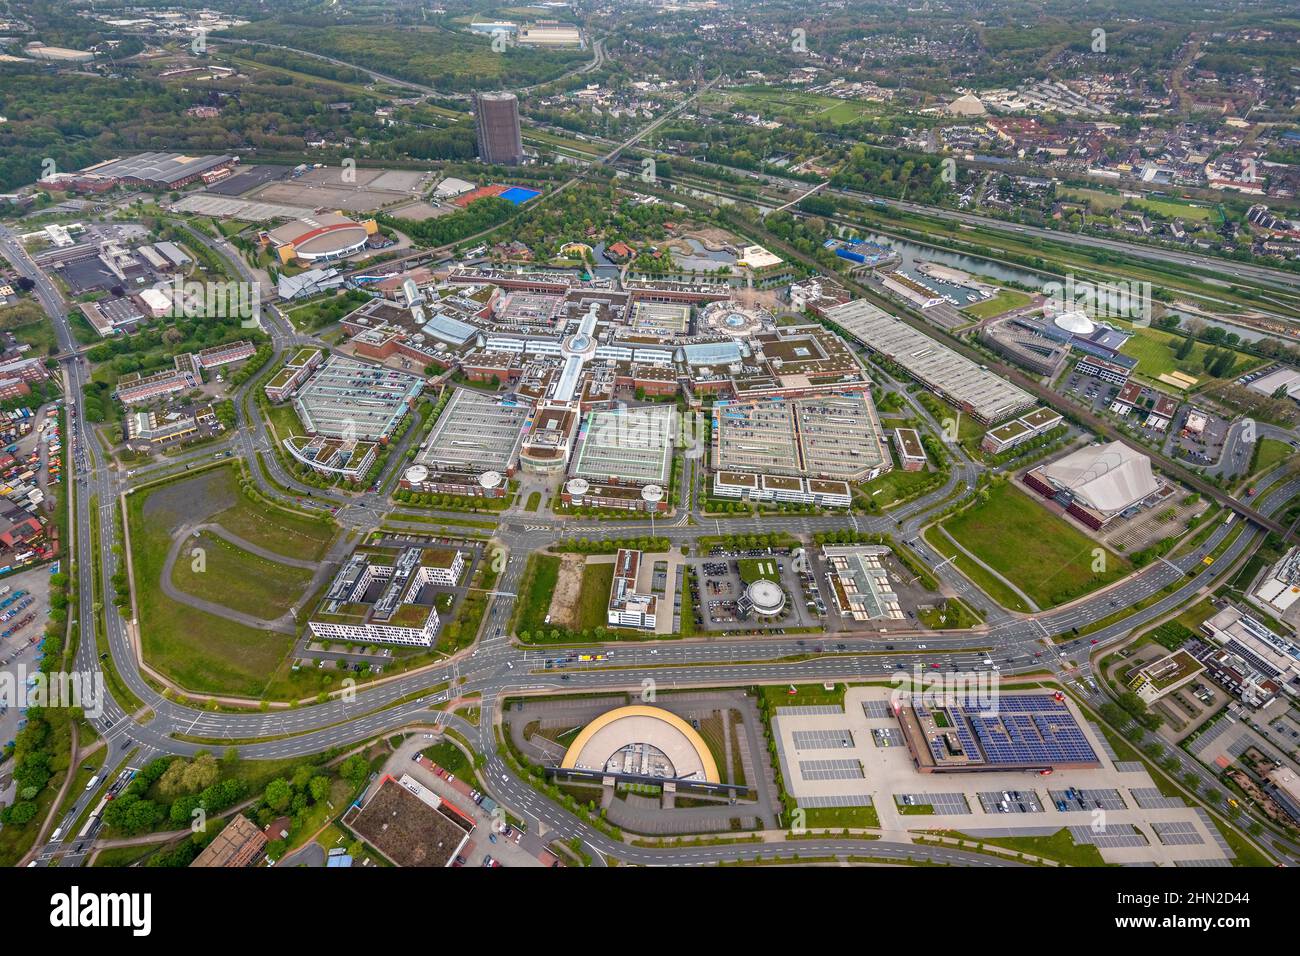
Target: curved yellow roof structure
(639, 724)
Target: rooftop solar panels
(876, 708)
(811, 801)
(1032, 730)
(1150, 798)
(1115, 836)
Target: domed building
(642, 742)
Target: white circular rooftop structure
(731, 319)
(1076, 323)
(766, 597)
(577, 487)
(490, 480)
(652, 494)
(579, 343)
(416, 474)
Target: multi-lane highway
(497, 668)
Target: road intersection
(496, 668)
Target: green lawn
(535, 591)
(955, 616)
(534, 501)
(204, 652)
(1004, 301)
(284, 532)
(1155, 351)
(806, 695)
(1272, 453)
(39, 335)
(1059, 846)
(593, 602)
(237, 578)
(1181, 210)
(449, 757)
(986, 582)
(841, 817)
(1097, 200)
(284, 419)
(799, 105)
(754, 569)
(1043, 555)
(897, 486)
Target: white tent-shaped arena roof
(1107, 478)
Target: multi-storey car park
(801, 450)
(352, 400)
(970, 388)
(622, 458)
(633, 445)
(476, 435)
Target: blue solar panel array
(1033, 729)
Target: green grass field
(284, 532)
(1004, 301)
(1155, 352)
(798, 105)
(956, 616)
(593, 602)
(1059, 846)
(895, 486)
(204, 652)
(1272, 453)
(285, 421)
(986, 582)
(1043, 555)
(1096, 199)
(752, 569)
(1178, 210)
(535, 591)
(238, 579)
(842, 817)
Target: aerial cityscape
(698, 433)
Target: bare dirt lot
(568, 588)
